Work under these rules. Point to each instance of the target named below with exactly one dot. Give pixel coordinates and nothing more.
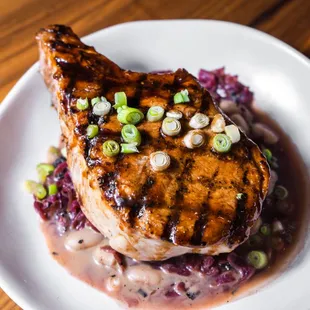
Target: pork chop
(205, 202)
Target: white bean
(261, 130)
(144, 274)
(102, 257)
(240, 122)
(82, 239)
(229, 106)
(247, 115)
(113, 284)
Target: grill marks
(201, 223)
(138, 209)
(238, 226)
(170, 229)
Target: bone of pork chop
(147, 215)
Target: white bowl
(277, 74)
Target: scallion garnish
(232, 131)
(52, 189)
(120, 99)
(267, 154)
(194, 138)
(129, 148)
(265, 229)
(155, 114)
(159, 161)
(174, 114)
(36, 189)
(44, 170)
(171, 126)
(82, 104)
(102, 108)
(110, 148)
(258, 259)
(199, 120)
(221, 143)
(127, 115)
(92, 131)
(240, 196)
(218, 123)
(280, 192)
(131, 134)
(96, 100)
(181, 97)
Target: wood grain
(288, 20)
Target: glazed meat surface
(190, 207)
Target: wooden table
(288, 20)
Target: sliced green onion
(185, 95)
(110, 148)
(218, 123)
(128, 115)
(82, 104)
(258, 259)
(240, 196)
(171, 126)
(221, 143)
(155, 113)
(96, 100)
(120, 99)
(181, 97)
(199, 120)
(131, 134)
(102, 108)
(194, 138)
(92, 131)
(128, 148)
(265, 230)
(52, 189)
(174, 114)
(159, 161)
(267, 154)
(44, 170)
(280, 192)
(36, 189)
(232, 131)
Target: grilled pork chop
(194, 205)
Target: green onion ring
(110, 148)
(82, 104)
(128, 115)
(155, 113)
(221, 143)
(131, 134)
(258, 259)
